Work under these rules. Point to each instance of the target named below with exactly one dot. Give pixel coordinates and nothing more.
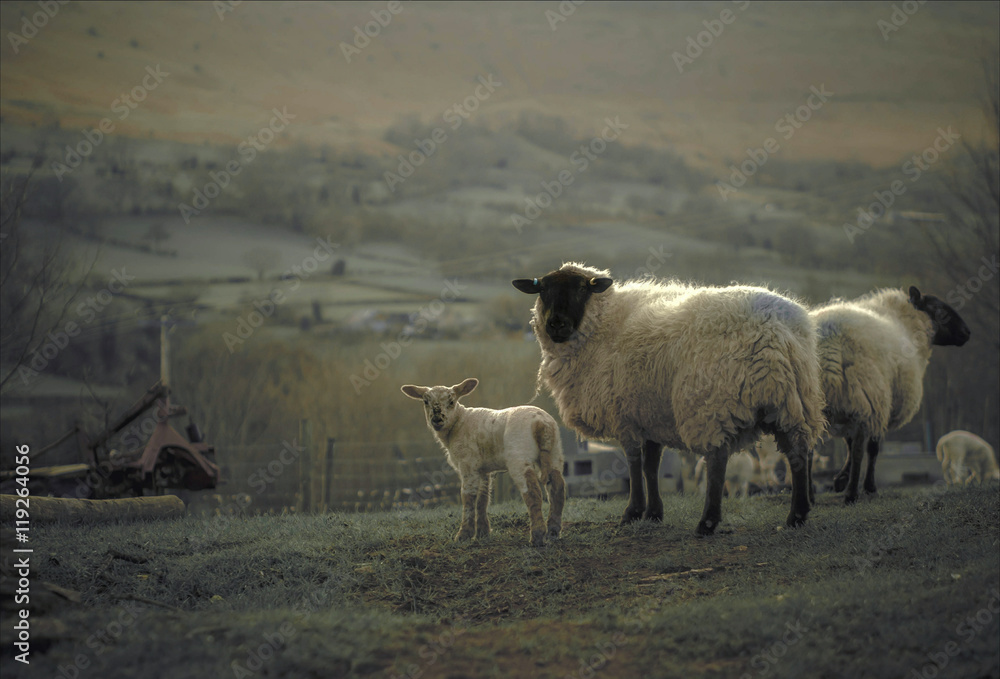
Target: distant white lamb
(873, 352)
(479, 442)
(739, 471)
(653, 364)
(966, 458)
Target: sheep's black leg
(812, 486)
(715, 470)
(651, 454)
(840, 481)
(798, 466)
(857, 452)
(873, 445)
(636, 497)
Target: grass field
(906, 582)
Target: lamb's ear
(600, 284)
(915, 296)
(466, 387)
(413, 391)
(526, 285)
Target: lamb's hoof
(463, 535)
(554, 531)
(839, 484)
(482, 533)
(653, 516)
(795, 520)
(850, 500)
(871, 493)
(630, 516)
(537, 538)
(706, 527)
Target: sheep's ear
(914, 295)
(600, 284)
(413, 391)
(466, 387)
(528, 286)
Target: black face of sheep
(949, 328)
(564, 296)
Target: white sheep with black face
(873, 352)
(702, 369)
(479, 442)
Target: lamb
(667, 364)
(479, 442)
(873, 352)
(966, 458)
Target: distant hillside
(228, 70)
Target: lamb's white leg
(526, 481)
(482, 504)
(557, 499)
(470, 488)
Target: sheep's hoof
(653, 516)
(554, 531)
(463, 535)
(839, 483)
(850, 500)
(795, 520)
(482, 532)
(706, 527)
(537, 538)
(630, 516)
(873, 492)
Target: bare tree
(38, 284)
(262, 260)
(969, 238)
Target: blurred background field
(412, 277)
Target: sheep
(479, 442)
(655, 364)
(873, 352)
(966, 458)
(769, 456)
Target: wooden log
(52, 509)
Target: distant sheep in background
(769, 456)
(739, 471)
(966, 458)
(873, 352)
(478, 442)
(698, 368)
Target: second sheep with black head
(652, 364)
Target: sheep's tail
(792, 369)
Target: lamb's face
(949, 328)
(440, 403)
(563, 295)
